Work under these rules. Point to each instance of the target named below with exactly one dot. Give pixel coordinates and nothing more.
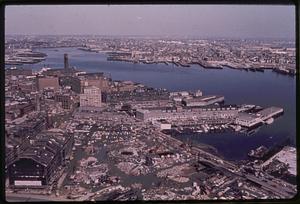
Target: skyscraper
(66, 61)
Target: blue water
(264, 89)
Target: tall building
(66, 62)
(47, 82)
(91, 97)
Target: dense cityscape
(77, 136)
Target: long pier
(267, 113)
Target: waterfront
(238, 87)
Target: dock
(270, 112)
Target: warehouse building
(47, 82)
(202, 100)
(38, 163)
(73, 82)
(269, 112)
(247, 120)
(176, 113)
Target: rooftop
(246, 116)
(202, 98)
(270, 110)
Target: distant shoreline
(188, 64)
(177, 64)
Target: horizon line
(149, 36)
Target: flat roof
(202, 98)
(270, 110)
(41, 156)
(246, 116)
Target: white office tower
(91, 97)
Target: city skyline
(202, 21)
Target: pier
(270, 112)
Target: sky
(228, 21)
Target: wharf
(270, 112)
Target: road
(31, 197)
(281, 191)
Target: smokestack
(66, 61)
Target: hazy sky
(182, 20)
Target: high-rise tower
(66, 61)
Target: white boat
(237, 128)
(270, 121)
